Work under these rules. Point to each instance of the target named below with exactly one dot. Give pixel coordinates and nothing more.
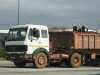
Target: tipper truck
(35, 44)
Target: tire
(41, 60)
(75, 60)
(19, 64)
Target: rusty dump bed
(74, 40)
(61, 40)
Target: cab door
(34, 40)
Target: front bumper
(15, 55)
(16, 51)
(19, 56)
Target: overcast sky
(51, 12)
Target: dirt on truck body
(75, 47)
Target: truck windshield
(17, 34)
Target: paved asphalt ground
(7, 68)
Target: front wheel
(41, 60)
(75, 60)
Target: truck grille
(16, 48)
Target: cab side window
(34, 34)
(44, 33)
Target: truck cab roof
(30, 26)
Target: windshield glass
(17, 34)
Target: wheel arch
(40, 50)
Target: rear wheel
(75, 60)
(41, 60)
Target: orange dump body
(75, 40)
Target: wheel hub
(41, 60)
(76, 60)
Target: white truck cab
(28, 43)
